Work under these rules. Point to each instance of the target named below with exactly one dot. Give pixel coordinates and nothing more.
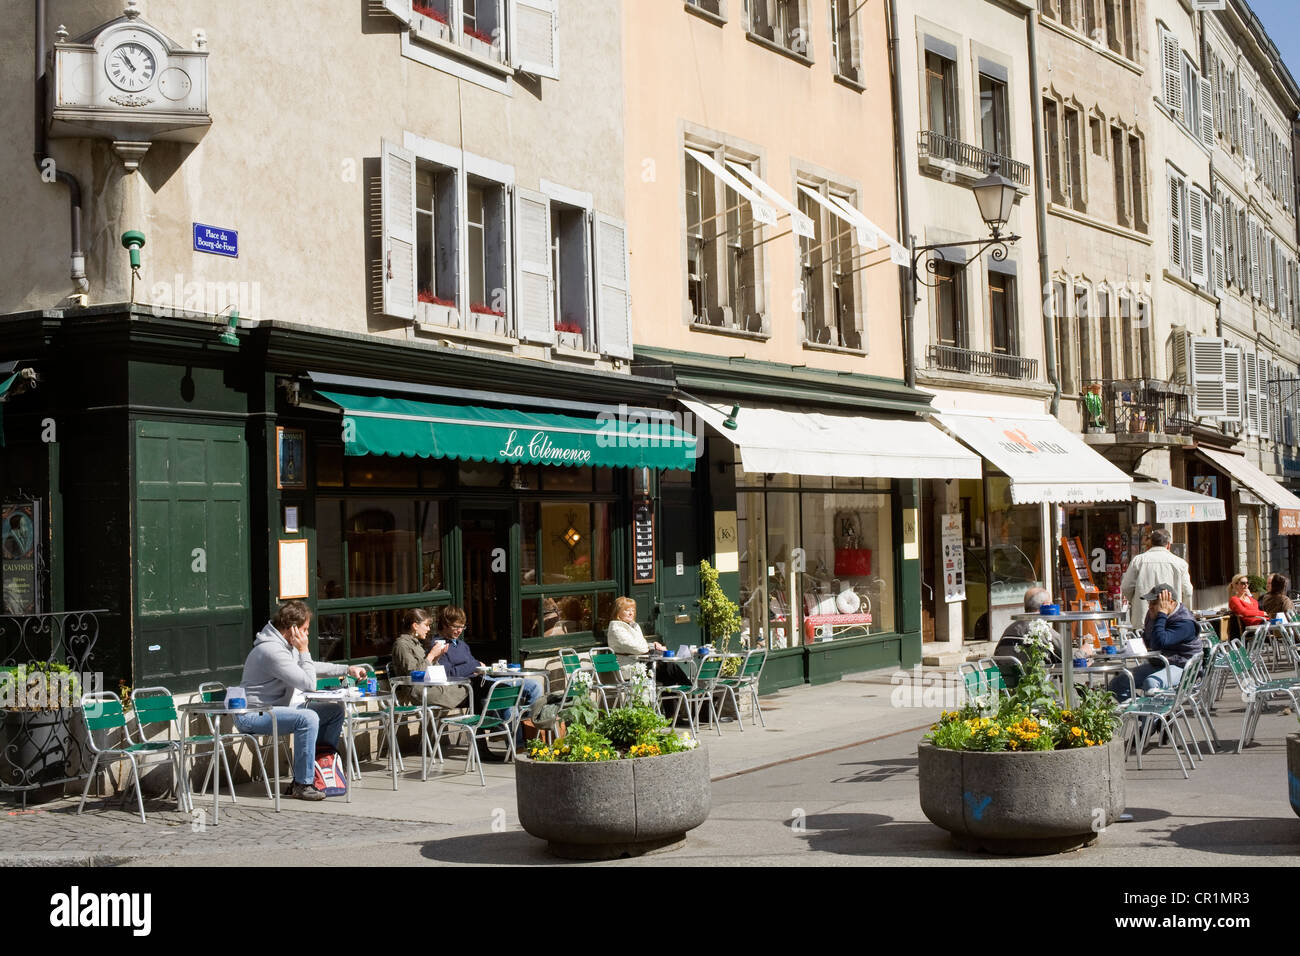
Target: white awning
(869, 234)
(799, 223)
(1044, 461)
(1241, 470)
(792, 442)
(1178, 504)
(763, 210)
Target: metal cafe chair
(103, 714)
(694, 695)
(609, 676)
(214, 692)
(746, 680)
(502, 695)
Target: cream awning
(1178, 504)
(791, 441)
(1267, 488)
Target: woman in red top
(1243, 604)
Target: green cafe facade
(181, 485)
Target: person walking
(1156, 565)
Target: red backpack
(329, 779)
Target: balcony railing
(949, 358)
(945, 149)
(1143, 407)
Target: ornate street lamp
(995, 195)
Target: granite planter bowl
(1023, 803)
(615, 808)
(1293, 771)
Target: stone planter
(1023, 803)
(601, 811)
(1293, 771)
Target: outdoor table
(1067, 640)
(425, 716)
(211, 711)
(1101, 668)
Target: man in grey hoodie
(279, 665)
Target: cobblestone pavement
(55, 835)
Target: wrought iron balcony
(950, 358)
(1139, 408)
(945, 149)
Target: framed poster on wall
(20, 556)
(290, 457)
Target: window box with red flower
(431, 20)
(484, 318)
(569, 335)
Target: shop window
(363, 634)
(565, 542)
(430, 524)
(382, 471)
(329, 465)
(1003, 555)
(380, 539)
(995, 129)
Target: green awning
(375, 425)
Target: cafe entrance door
(485, 551)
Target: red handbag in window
(852, 562)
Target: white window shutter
(1262, 378)
(1232, 385)
(535, 37)
(1207, 113)
(533, 279)
(1219, 278)
(1252, 393)
(613, 294)
(1252, 248)
(1175, 224)
(1196, 236)
(398, 216)
(398, 8)
(1209, 399)
(1266, 246)
(1171, 59)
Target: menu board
(954, 559)
(643, 541)
(19, 556)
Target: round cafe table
(1067, 640)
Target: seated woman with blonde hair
(626, 640)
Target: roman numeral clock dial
(130, 67)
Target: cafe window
(378, 547)
(566, 562)
(816, 564)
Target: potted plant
(1023, 773)
(569, 335)
(620, 783)
(1092, 402)
(719, 616)
(38, 701)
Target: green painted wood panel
(192, 619)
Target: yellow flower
(1076, 732)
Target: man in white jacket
(278, 665)
(1154, 566)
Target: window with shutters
(1177, 220)
(724, 244)
(1137, 179)
(995, 128)
(1171, 66)
(571, 267)
(828, 275)
(438, 255)
(1002, 312)
(846, 41)
(1052, 143)
(782, 22)
(1196, 238)
(950, 303)
(1074, 159)
(493, 37)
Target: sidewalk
(802, 723)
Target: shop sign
(954, 559)
(20, 556)
(725, 556)
(911, 550)
(1288, 521)
(643, 541)
(541, 450)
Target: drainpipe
(905, 286)
(42, 157)
(1040, 199)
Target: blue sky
(1280, 20)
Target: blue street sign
(216, 240)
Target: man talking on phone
(278, 666)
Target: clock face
(130, 66)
